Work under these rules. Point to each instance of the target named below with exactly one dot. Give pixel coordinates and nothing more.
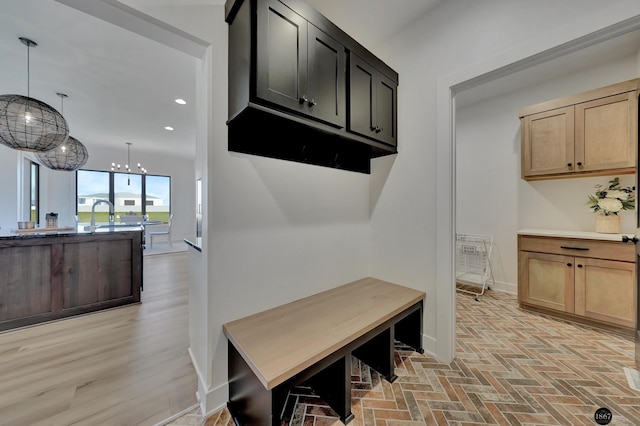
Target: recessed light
(181, 101)
(168, 128)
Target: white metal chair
(167, 232)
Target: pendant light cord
(28, 72)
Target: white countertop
(572, 234)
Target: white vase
(608, 224)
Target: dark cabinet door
(281, 56)
(372, 102)
(386, 110)
(361, 97)
(327, 75)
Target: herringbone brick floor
(512, 368)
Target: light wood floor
(126, 366)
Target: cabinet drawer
(610, 250)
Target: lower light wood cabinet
(584, 279)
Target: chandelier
(141, 170)
(28, 124)
(69, 156)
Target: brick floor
(512, 368)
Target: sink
(110, 226)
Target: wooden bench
(311, 340)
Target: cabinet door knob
(569, 264)
(569, 165)
(579, 163)
(303, 99)
(312, 103)
(579, 266)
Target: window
(91, 186)
(34, 184)
(158, 197)
(129, 193)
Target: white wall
(9, 188)
(456, 37)
(276, 231)
(492, 198)
(54, 189)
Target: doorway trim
(543, 49)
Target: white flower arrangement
(612, 199)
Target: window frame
(34, 180)
(112, 187)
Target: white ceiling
(121, 86)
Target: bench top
(281, 342)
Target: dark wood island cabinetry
(52, 276)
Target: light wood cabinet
(593, 133)
(590, 280)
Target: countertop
(195, 243)
(572, 234)
(79, 230)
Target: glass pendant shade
(28, 124)
(68, 157)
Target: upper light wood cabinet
(592, 133)
(585, 279)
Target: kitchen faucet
(92, 226)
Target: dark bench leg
(250, 403)
(409, 330)
(333, 384)
(377, 353)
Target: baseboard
(505, 287)
(429, 345)
(211, 399)
(216, 399)
(633, 378)
(177, 415)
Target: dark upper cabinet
(281, 56)
(372, 102)
(299, 67)
(290, 88)
(327, 78)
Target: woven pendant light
(69, 156)
(28, 124)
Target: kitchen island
(51, 275)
